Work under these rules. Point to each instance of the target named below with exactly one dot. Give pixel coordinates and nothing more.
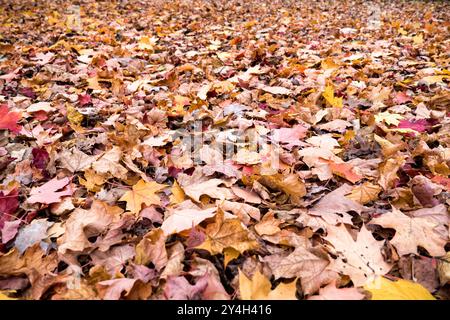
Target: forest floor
(224, 149)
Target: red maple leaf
(8, 120)
(420, 125)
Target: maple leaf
(227, 233)
(152, 249)
(384, 289)
(75, 160)
(210, 188)
(185, 219)
(388, 118)
(290, 136)
(365, 193)
(290, 184)
(33, 233)
(269, 225)
(259, 288)
(361, 260)
(130, 289)
(8, 120)
(142, 193)
(412, 232)
(109, 163)
(300, 263)
(178, 288)
(83, 224)
(344, 170)
(420, 125)
(48, 192)
(334, 206)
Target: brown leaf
(361, 260)
(412, 232)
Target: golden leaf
(74, 116)
(258, 288)
(229, 254)
(142, 192)
(227, 233)
(329, 96)
(384, 289)
(177, 195)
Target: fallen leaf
(412, 232)
(329, 96)
(384, 289)
(365, 193)
(142, 193)
(361, 260)
(330, 292)
(227, 233)
(9, 119)
(48, 192)
(185, 219)
(259, 288)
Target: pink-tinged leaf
(178, 288)
(420, 125)
(9, 230)
(40, 158)
(84, 99)
(8, 120)
(48, 193)
(444, 181)
(402, 97)
(289, 136)
(330, 292)
(196, 237)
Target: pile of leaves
(101, 198)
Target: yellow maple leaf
(258, 288)
(328, 94)
(146, 43)
(388, 118)
(384, 289)
(92, 180)
(142, 192)
(227, 233)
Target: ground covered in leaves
(224, 149)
